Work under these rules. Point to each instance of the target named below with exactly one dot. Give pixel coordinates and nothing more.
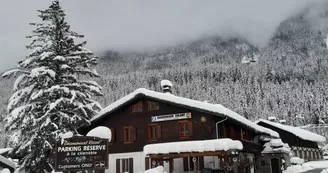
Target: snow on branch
(13, 72)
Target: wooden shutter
(134, 133)
(147, 163)
(179, 129)
(113, 136)
(224, 130)
(124, 165)
(149, 131)
(201, 162)
(190, 128)
(118, 166)
(171, 164)
(185, 164)
(159, 131)
(130, 165)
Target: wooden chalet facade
(146, 117)
(304, 144)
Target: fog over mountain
(149, 25)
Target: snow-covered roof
(216, 109)
(302, 133)
(7, 162)
(4, 150)
(224, 144)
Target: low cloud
(148, 24)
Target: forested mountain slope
(288, 79)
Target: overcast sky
(146, 24)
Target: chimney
(166, 86)
(272, 119)
(282, 121)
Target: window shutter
(179, 129)
(185, 164)
(159, 131)
(149, 131)
(113, 135)
(118, 166)
(124, 165)
(201, 162)
(171, 164)
(122, 137)
(147, 163)
(134, 133)
(224, 130)
(190, 128)
(130, 165)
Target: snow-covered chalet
(303, 143)
(158, 128)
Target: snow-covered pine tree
(50, 96)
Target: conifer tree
(51, 94)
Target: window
(137, 107)
(184, 129)
(154, 132)
(188, 164)
(124, 165)
(113, 136)
(129, 134)
(152, 106)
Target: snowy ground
(308, 167)
(325, 171)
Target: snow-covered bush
(296, 161)
(158, 169)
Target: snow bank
(158, 169)
(296, 160)
(216, 109)
(317, 164)
(296, 169)
(325, 171)
(193, 146)
(307, 166)
(303, 134)
(101, 132)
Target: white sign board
(169, 117)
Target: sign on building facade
(169, 117)
(81, 153)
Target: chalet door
(275, 166)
